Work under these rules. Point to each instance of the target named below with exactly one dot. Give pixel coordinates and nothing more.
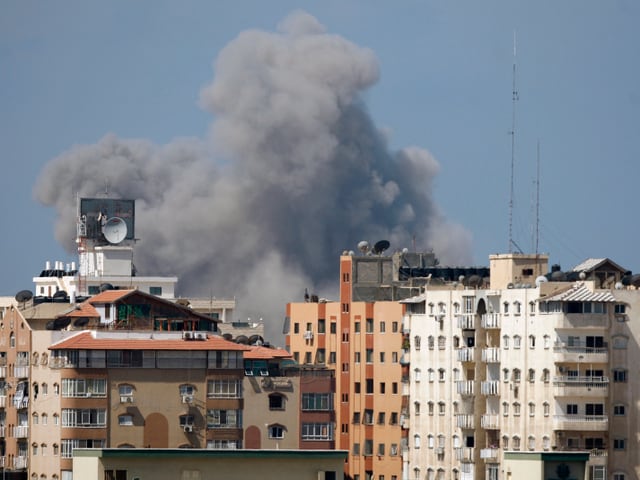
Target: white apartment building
(524, 364)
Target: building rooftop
(93, 340)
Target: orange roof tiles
(83, 310)
(110, 296)
(87, 340)
(266, 353)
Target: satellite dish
(380, 246)
(115, 230)
(105, 286)
(24, 296)
(363, 246)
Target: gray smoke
(293, 173)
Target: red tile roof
(83, 310)
(110, 296)
(266, 353)
(91, 340)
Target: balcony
(490, 422)
(466, 354)
(21, 372)
(587, 423)
(583, 386)
(490, 320)
(491, 355)
(464, 454)
(491, 387)
(490, 454)
(579, 354)
(464, 387)
(464, 420)
(3, 431)
(21, 431)
(3, 372)
(466, 321)
(3, 401)
(579, 320)
(19, 462)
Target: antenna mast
(513, 145)
(537, 198)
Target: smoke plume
(293, 173)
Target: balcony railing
(580, 354)
(21, 372)
(490, 453)
(464, 454)
(464, 420)
(591, 423)
(466, 354)
(490, 422)
(3, 372)
(3, 401)
(3, 431)
(491, 387)
(21, 431)
(19, 462)
(491, 320)
(464, 387)
(583, 386)
(491, 355)
(466, 321)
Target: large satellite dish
(380, 246)
(115, 230)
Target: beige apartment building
(515, 373)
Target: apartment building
(360, 338)
(521, 364)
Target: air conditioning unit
(308, 335)
(126, 399)
(187, 399)
(187, 335)
(201, 336)
(188, 428)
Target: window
(619, 476)
(356, 327)
(517, 308)
(619, 375)
(296, 327)
(619, 443)
(276, 401)
(393, 451)
(383, 387)
(516, 375)
(81, 387)
(69, 444)
(356, 449)
(276, 431)
(394, 388)
(44, 418)
(332, 357)
(369, 386)
(356, 357)
(224, 388)
(417, 374)
(546, 342)
(532, 375)
(34, 419)
(381, 449)
(516, 341)
(619, 410)
(516, 409)
(394, 357)
(430, 406)
(505, 308)
(441, 342)
(416, 441)
(84, 417)
(531, 442)
(394, 327)
(393, 418)
(368, 450)
(381, 357)
(532, 342)
(317, 401)
(516, 442)
(441, 408)
(505, 342)
(430, 341)
(157, 291)
(368, 417)
(322, 326)
(382, 327)
(416, 408)
(333, 327)
(441, 375)
(369, 325)
(369, 353)
(546, 375)
(224, 418)
(572, 409)
(317, 431)
(356, 387)
(125, 420)
(545, 409)
(356, 417)
(416, 342)
(532, 409)
(505, 374)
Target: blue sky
(73, 71)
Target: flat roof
(204, 453)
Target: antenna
(537, 238)
(513, 144)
